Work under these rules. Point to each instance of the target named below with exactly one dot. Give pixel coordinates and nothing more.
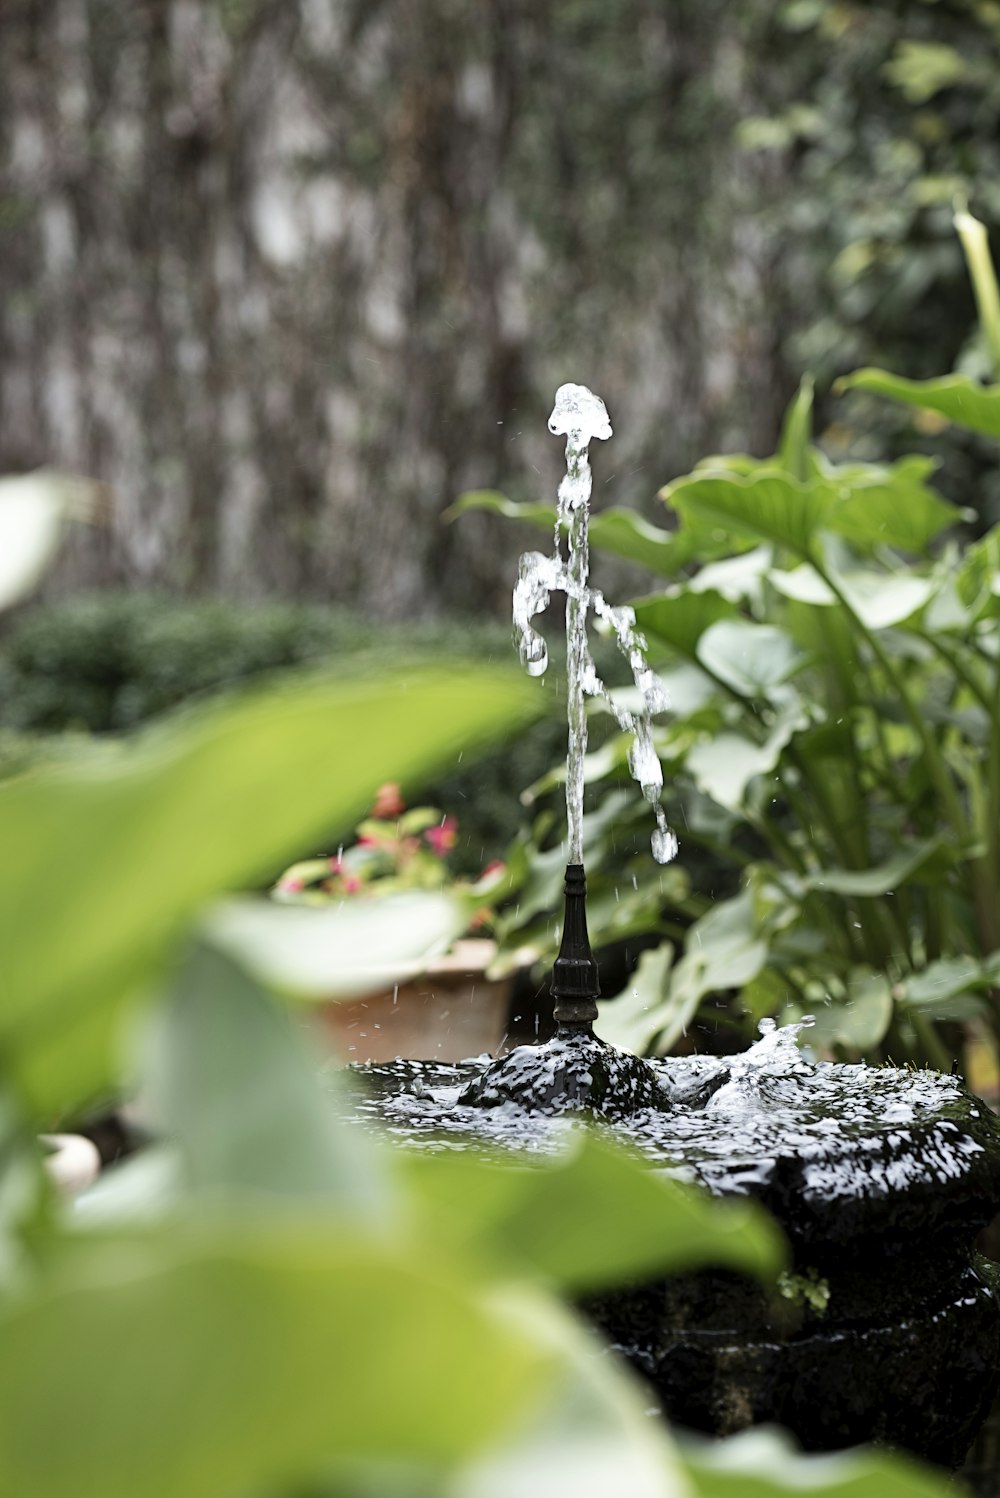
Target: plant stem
(935, 762)
(930, 1042)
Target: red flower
(493, 869)
(442, 838)
(388, 802)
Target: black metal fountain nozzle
(574, 1072)
(575, 985)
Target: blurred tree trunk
(292, 274)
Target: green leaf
(803, 584)
(499, 504)
(546, 871)
(979, 573)
(542, 1219)
(908, 863)
(625, 534)
(830, 636)
(238, 1358)
(764, 1464)
(946, 613)
(118, 855)
(725, 765)
(688, 689)
(796, 432)
(752, 659)
(725, 948)
(955, 396)
(976, 245)
(936, 989)
(922, 69)
(870, 505)
(860, 1022)
(888, 504)
(596, 766)
(631, 1020)
(590, 1436)
(680, 618)
(360, 945)
(616, 911)
(618, 531)
(880, 600)
(737, 578)
(231, 1082)
(768, 505)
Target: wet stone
(578, 1074)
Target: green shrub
(107, 663)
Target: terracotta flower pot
(451, 1011)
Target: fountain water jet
(576, 1071)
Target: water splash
(839, 1136)
(581, 416)
(775, 1056)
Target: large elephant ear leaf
(768, 505)
(869, 505)
(888, 504)
(680, 618)
(955, 397)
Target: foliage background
(288, 277)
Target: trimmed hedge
(104, 664)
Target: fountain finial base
(574, 1072)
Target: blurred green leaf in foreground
(267, 1303)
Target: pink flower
(442, 838)
(291, 886)
(352, 884)
(492, 870)
(388, 802)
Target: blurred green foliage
(105, 664)
(268, 1301)
(876, 117)
(886, 112)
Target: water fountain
(888, 1325)
(575, 1070)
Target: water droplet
(534, 653)
(579, 413)
(664, 844)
